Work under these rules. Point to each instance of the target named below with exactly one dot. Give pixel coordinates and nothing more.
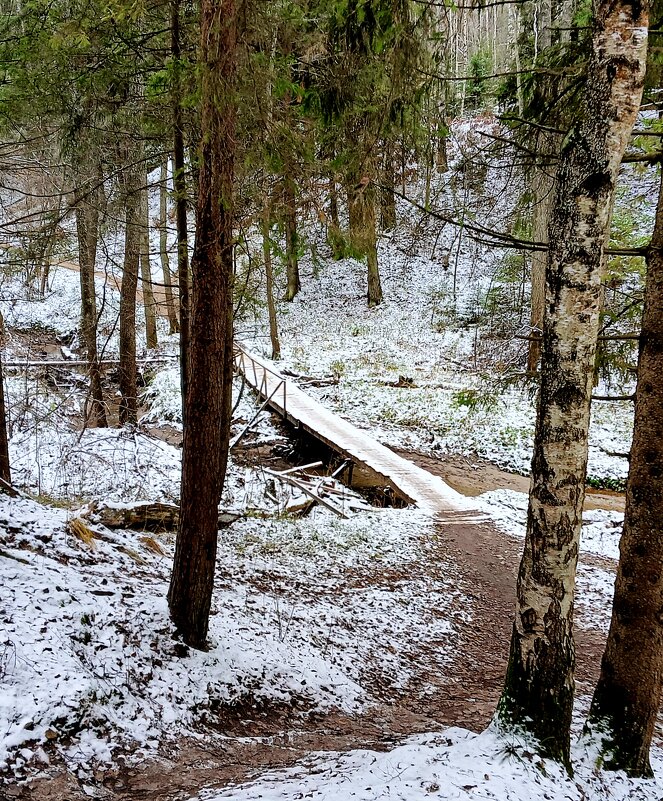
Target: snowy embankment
(311, 615)
(89, 667)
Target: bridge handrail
(241, 356)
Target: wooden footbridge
(407, 481)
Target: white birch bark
(538, 693)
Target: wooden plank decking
(410, 482)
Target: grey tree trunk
(539, 686)
(163, 248)
(362, 220)
(149, 303)
(628, 694)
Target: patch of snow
(454, 764)
(601, 529)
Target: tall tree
(149, 303)
(210, 367)
(5, 468)
(87, 199)
(539, 686)
(628, 694)
(163, 248)
(131, 182)
(179, 191)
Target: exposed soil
(473, 476)
(483, 564)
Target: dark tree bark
(128, 411)
(628, 694)
(362, 201)
(209, 390)
(291, 238)
(542, 189)
(163, 249)
(179, 187)
(542, 184)
(5, 470)
(335, 238)
(441, 158)
(269, 281)
(387, 196)
(149, 303)
(87, 231)
(539, 686)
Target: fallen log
(145, 516)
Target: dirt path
(473, 476)
(158, 290)
(482, 562)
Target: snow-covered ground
(301, 616)
(456, 764)
(89, 666)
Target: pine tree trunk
(368, 245)
(209, 391)
(179, 191)
(335, 238)
(387, 196)
(149, 303)
(538, 692)
(5, 470)
(163, 248)
(87, 231)
(441, 159)
(628, 694)
(361, 209)
(333, 202)
(128, 411)
(542, 185)
(542, 193)
(269, 281)
(291, 238)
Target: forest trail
(407, 480)
(462, 690)
(161, 307)
(472, 476)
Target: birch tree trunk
(628, 693)
(163, 248)
(210, 369)
(539, 686)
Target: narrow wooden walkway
(410, 482)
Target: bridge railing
(270, 384)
